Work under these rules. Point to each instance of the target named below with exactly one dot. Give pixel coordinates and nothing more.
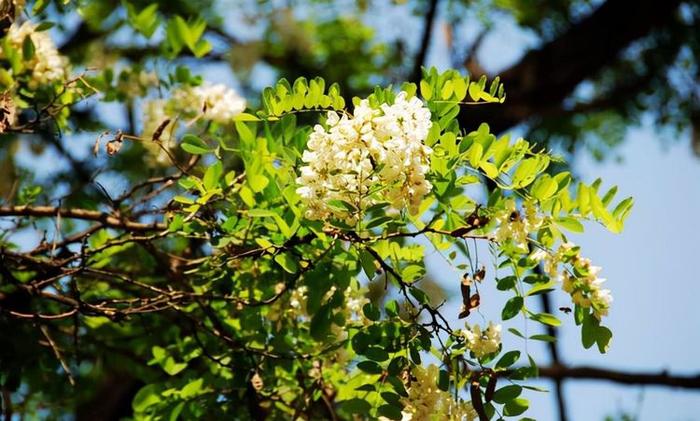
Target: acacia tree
(267, 261)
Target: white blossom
(482, 343)
(426, 401)
(213, 102)
(47, 64)
(208, 102)
(514, 225)
(372, 155)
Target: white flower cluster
(482, 343)
(426, 401)
(514, 225)
(47, 64)
(584, 286)
(297, 300)
(215, 102)
(373, 155)
(210, 102)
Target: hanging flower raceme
(214, 102)
(426, 401)
(46, 64)
(208, 102)
(583, 283)
(515, 225)
(483, 343)
(356, 153)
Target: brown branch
(57, 353)
(425, 41)
(471, 62)
(106, 219)
(580, 53)
(663, 378)
(554, 355)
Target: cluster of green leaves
(302, 95)
(259, 206)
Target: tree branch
(663, 378)
(554, 355)
(106, 219)
(580, 53)
(425, 41)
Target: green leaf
(507, 393)
(321, 323)
(516, 332)
(475, 154)
(425, 90)
(475, 91)
(370, 367)
(201, 48)
(589, 331)
(504, 284)
(508, 359)
(145, 21)
(194, 145)
(390, 411)
(447, 90)
(541, 288)
(246, 117)
(544, 187)
(368, 264)
(512, 307)
(547, 319)
(261, 213)
(379, 221)
(412, 272)
(192, 388)
(543, 338)
(392, 308)
(146, 397)
(213, 175)
(171, 367)
(246, 195)
(490, 169)
(355, 406)
(603, 338)
(287, 262)
(258, 182)
(525, 173)
(459, 87)
(516, 407)
(371, 312)
(27, 48)
(391, 398)
(569, 223)
(376, 353)
(245, 133)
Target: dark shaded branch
(425, 41)
(554, 355)
(663, 378)
(106, 219)
(546, 76)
